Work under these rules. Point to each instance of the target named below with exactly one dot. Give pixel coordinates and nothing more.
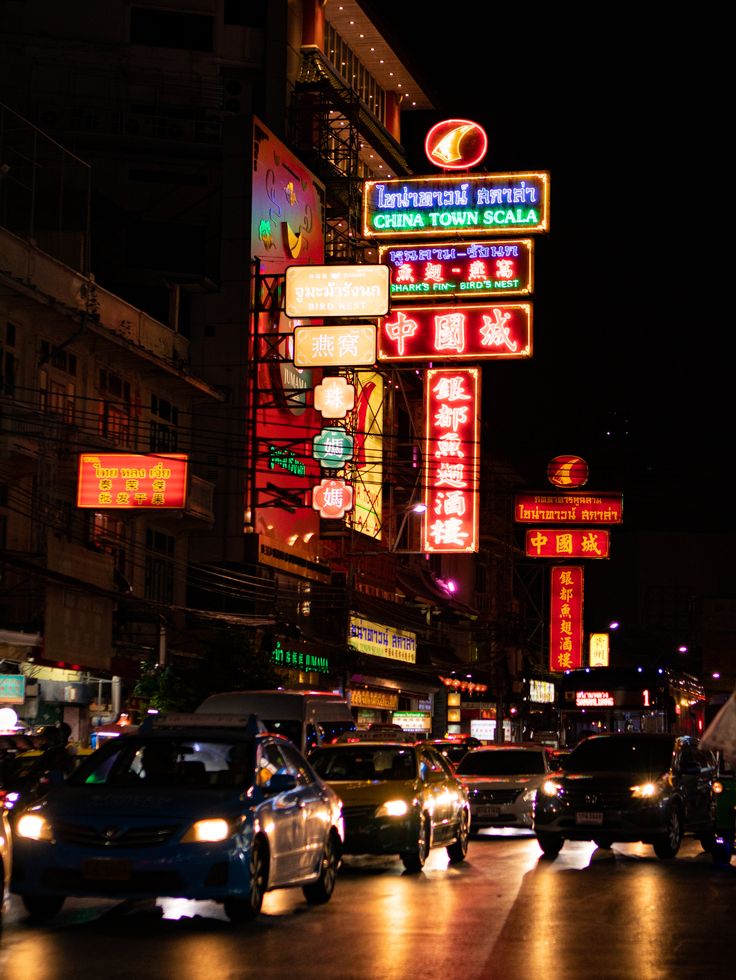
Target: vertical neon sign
(451, 459)
(566, 617)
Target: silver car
(502, 783)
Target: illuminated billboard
(126, 481)
(569, 508)
(472, 332)
(547, 542)
(566, 617)
(459, 270)
(474, 204)
(451, 460)
(456, 144)
(336, 290)
(327, 346)
(366, 470)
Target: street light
(416, 508)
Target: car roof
(390, 743)
(506, 746)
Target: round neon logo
(567, 471)
(456, 144)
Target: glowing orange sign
(472, 332)
(547, 542)
(598, 649)
(451, 459)
(567, 471)
(343, 346)
(126, 480)
(566, 618)
(602, 507)
(456, 144)
(334, 397)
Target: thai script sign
(126, 480)
(451, 460)
(566, 617)
(366, 698)
(459, 269)
(344, 346)
(569, 508)
(382, 641)
(545, 542)
(299, 660)
(594, 699)
(479, 204)
(336, 290)
(472, 332)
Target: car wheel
(42, 907)
(414, 860)
(320, 891)
(721, 852)
(668, 844)
(551, 844)
(458, 850)
(240, 910)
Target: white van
(307, 718)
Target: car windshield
(621, 754)
(171, 761)
(501, 762)
(364, 762)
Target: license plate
(104, 869)
(594, 819)
(488, 811)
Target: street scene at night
(366, 596)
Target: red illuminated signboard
(567, 471)
(566, 618)
(459, 270)
(569, 508)
(477, 204)
(456, 144)
(472, 332)
(546, 542)
(126, 480)
(451, 455)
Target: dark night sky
(632, 350)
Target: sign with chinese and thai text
(594, 699)
(459, 270)
(325, 346)
(547, 542)
(382, 641)
(566, 617)
(366, 697)
(569, 508)
(336, 290)
(451, 460)
(127, 480)
(474, 204)
(472, 332)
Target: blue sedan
(197, 813)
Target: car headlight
(529, 796)
(393, 808)
(717, 787)
(550, 788)
(34, 827)
(646, 791)
(207, 832)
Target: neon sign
(451, 459)
(472, 332)
(568, 543)
(332, 498)
(459, 269)
(125, 481)
(569, 508)
(334, 397)
(566, 617)
(481, 204)
(343, 346)
(456, 144)
(333, 447)
(598, 649)
(594, 699)
(567, 471)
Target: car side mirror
(280, 782)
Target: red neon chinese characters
(550, 542)
(473, 331)
(452, 407)
(566, 618)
